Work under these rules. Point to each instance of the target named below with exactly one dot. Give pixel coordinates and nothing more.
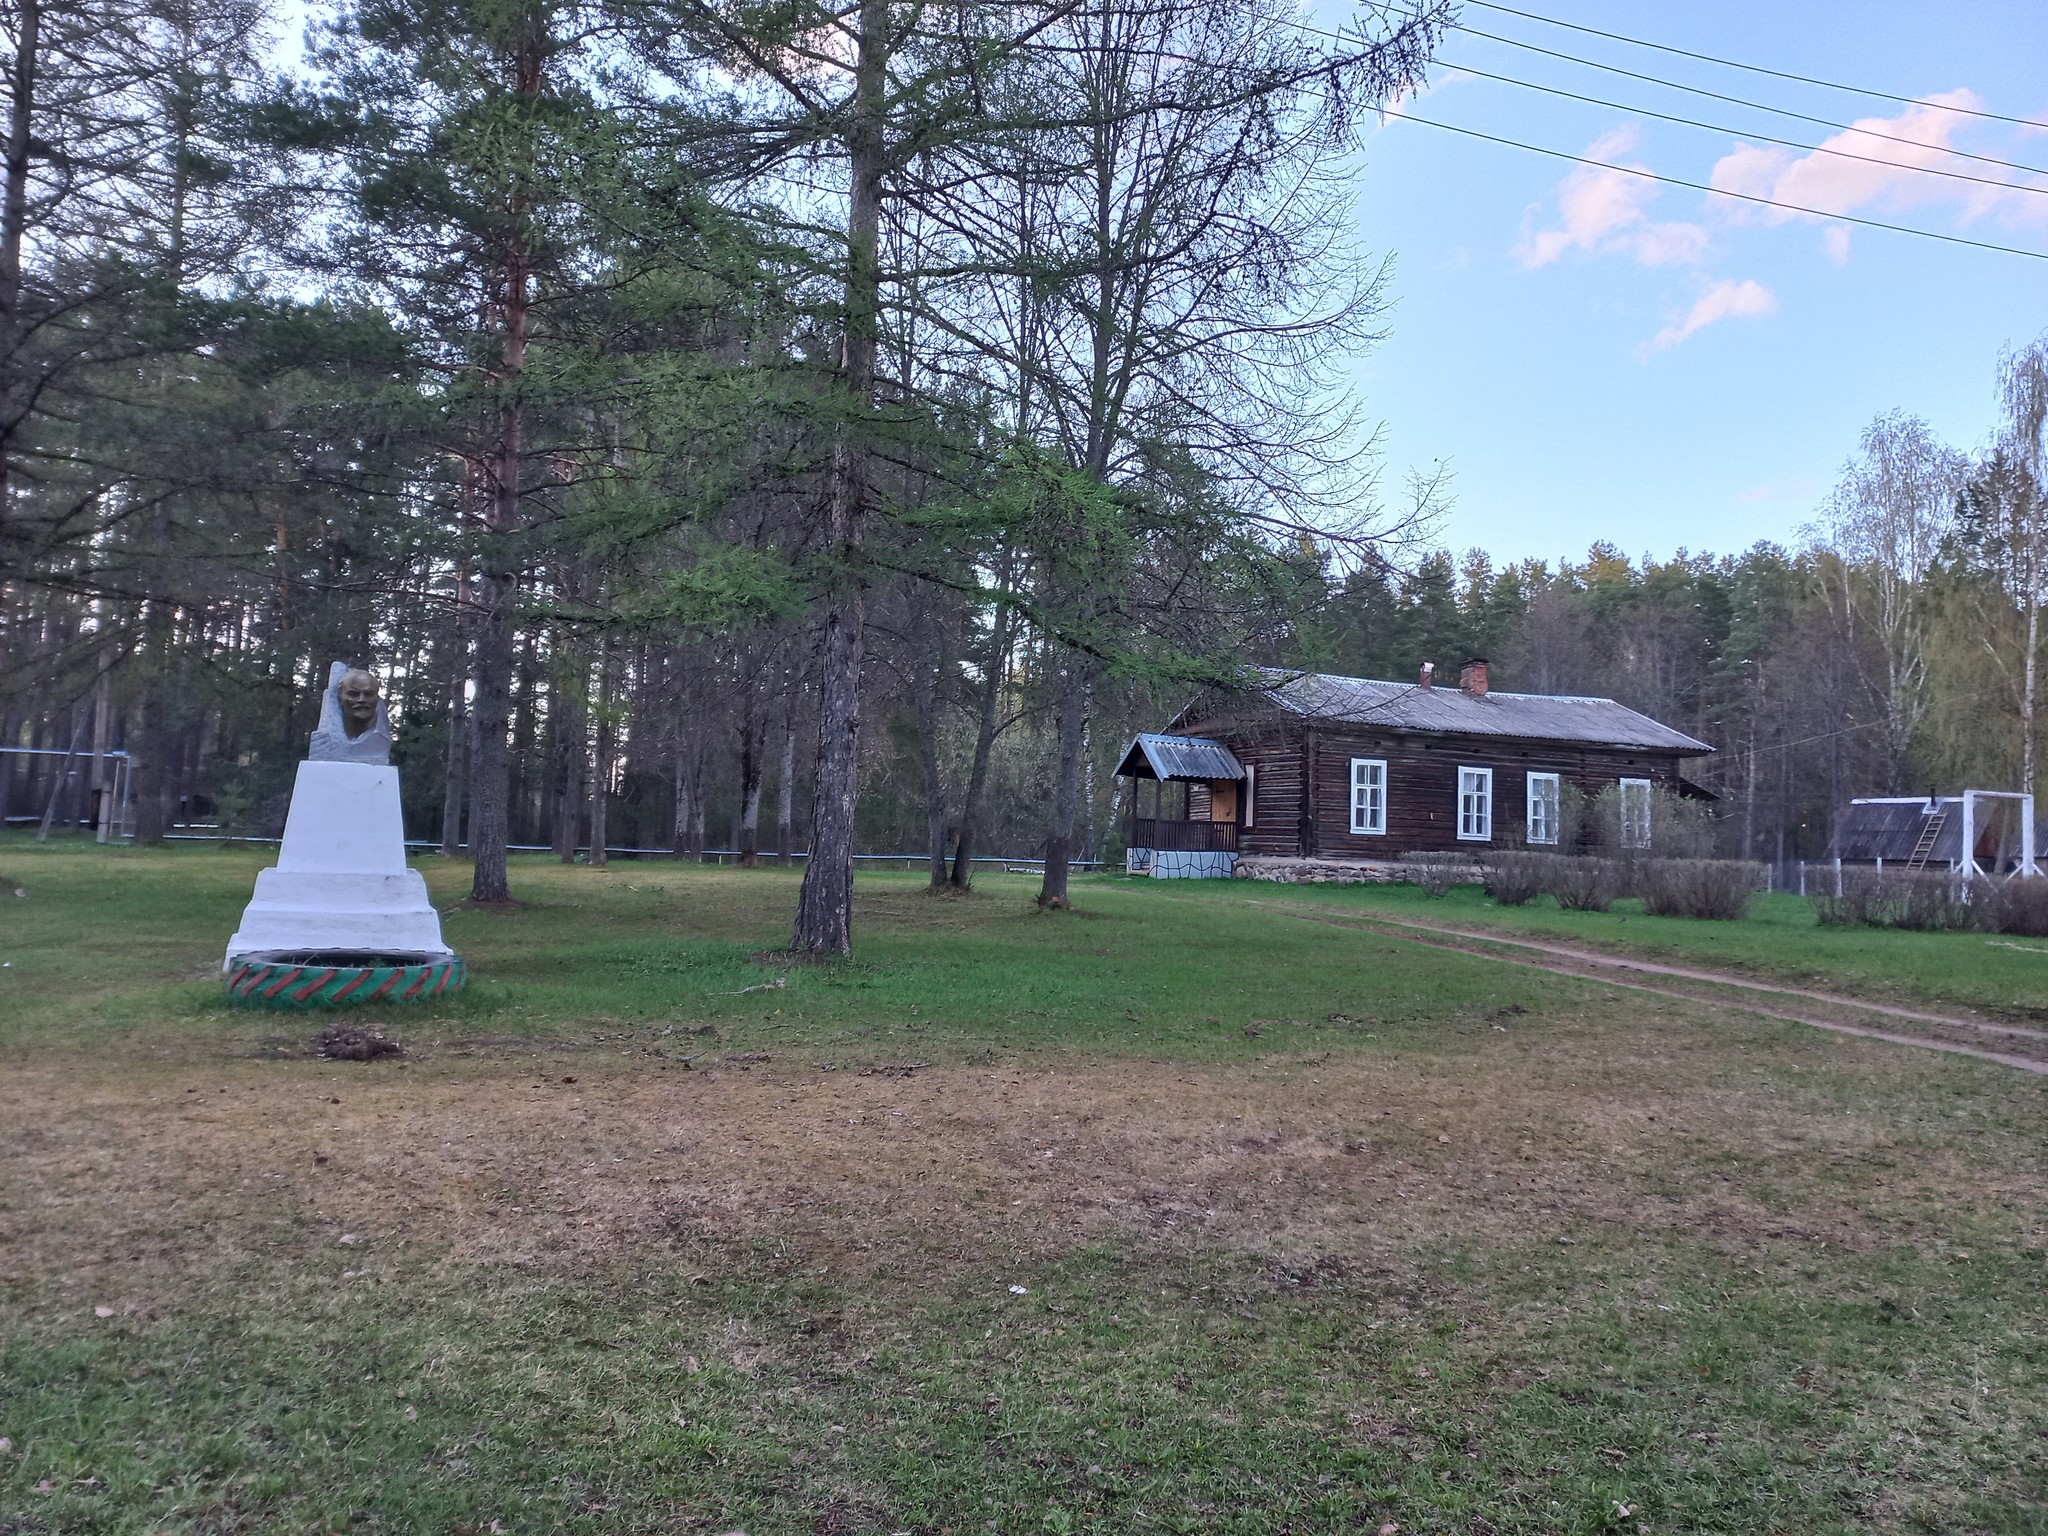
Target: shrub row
(1932, 901)
(1711, 888)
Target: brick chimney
(1472, 677)
(1429, 674)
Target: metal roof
(1890, 828)
(1179, 757)
(1411, 707)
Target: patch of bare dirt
(1317, 1165)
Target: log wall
(1303, 787)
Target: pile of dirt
(342, 1042)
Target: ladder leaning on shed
(1930, 829)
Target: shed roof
(1179, 757)
(1411, 707)
(1889, 829)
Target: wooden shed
(1931, 831)
(1350, 768)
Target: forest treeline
(798, 427)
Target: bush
(1585, 884)
(1719, 889)
(1434, 873)
(2018, 907)
(1514, 878)
(1679, 828)
(1923, 900)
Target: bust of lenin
(354, 726)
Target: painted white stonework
(341, 880)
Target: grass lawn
(1778, 941)
(1173, 1214)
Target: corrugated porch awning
(1179, 758)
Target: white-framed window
(1635, 813)
(1369, 796)
(1251, 794)
(1545, 796)
(1475, 805)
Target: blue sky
(1601, 358)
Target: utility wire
(1740, 101)
(1818, 149)
(1698, 186)
(1758, 69)
(1673, 85)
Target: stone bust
(354, 725)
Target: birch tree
(1885, 525)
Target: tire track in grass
(1559, 960)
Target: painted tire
(308, 981)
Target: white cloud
(1604, 211)
(1895, 152)
(1836, 238)
(1725, 300)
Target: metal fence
(1016, 863)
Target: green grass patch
(1778, 941)
(1174, 1214)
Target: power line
(1694, 90)
(1758, 69)
(1818, 149)
(1697, 186)
(1740, 101)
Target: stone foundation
(1298, 871)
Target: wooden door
(1223, 800)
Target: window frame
(1628, 820)
(1366, 828)
(1247, 798)
(1553, 809)
(1485, 778)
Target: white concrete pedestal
(341, 881)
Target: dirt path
(1950, 1033)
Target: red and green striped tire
(276, 980)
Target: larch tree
(1176, 213)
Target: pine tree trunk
(571, 744)
(489, 778)
(824, 919)
(688, 835)
(1059, 844)
(21, 92)
(824, 914)
(747, 834)
(455, 766)
(785, 789)
(498, 583)
(153, 737)
(994, 676)
(606, 741)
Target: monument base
(341, 883)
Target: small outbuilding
(1305, 766)
(1932, 831)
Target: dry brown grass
(1545, 1131)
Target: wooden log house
(1309, 766)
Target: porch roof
(1179, 758)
